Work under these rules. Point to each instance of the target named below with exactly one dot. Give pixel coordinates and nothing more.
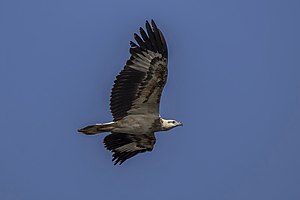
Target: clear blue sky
(234, 80)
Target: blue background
(234, 80)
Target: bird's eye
(173, 122)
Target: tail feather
(97, 128)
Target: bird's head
(168, 124)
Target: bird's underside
(135, 98)
(130, 135)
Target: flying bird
(135, 98)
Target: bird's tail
(97, 128)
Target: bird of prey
(135, 98)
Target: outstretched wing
(125, 146)
(138, 87)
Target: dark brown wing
(138, 87)
(125, 146)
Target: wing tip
(153, 23)
(152, 39)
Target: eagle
(135, 98)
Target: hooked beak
(180, 124)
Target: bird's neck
(164, 124)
